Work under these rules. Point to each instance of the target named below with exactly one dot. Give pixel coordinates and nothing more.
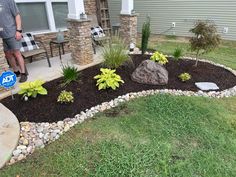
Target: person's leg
(13, 46)
(12, 61)
(21, 63)
(20, 60)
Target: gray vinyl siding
(184, 13)
(114, 10)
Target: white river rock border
(37, 135)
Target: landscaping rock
(205, 86)
(39, 143)
(16, 152)
(150, 72)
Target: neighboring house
(183, 13)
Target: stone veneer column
(3, 62)
(80, 41)
(128, 27)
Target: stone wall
(3, 62)
(128, 29)
(45, 39)
(90, 7)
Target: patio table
(59, 44)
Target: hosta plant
(65, 97)
(32, 89)
(108, 79)
(185, 77)
(159, 58)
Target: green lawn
(159, 135)
(225, 54)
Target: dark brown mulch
(46, 108)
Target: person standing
(10, 25)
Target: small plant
(115, 54)
(70, 74)
(32, 89)
(159, 58)
(177, 53)
(205, 38)
(65, 97)
(185, 77)
(146, 31)
(108, 79)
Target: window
(34, 16)
(60, 11)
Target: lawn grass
(225, 54)
(158, 135)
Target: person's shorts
(11, 44)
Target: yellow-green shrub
(159, 58)
(32, 89)
(184, 77)
(65, 97)
(108, 79)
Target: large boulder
(150, 72)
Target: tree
(205, 38)
(146, 31)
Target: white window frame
(50, 14)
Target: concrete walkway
(9, 134)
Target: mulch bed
(46, 108)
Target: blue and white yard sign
(7, 79)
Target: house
(176, 17)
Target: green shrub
(70, 74)
(146, 31)
(108, 79)
(177, 53)
(184, 77)
(32, 89)
(205, 38)
(159, 58)
(65, 97)
(115, 54)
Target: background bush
(146, 31)
(205, 38)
